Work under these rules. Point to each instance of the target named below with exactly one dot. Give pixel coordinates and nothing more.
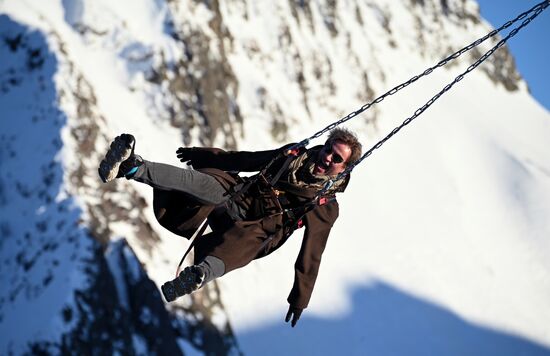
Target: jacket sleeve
(242, 161)
(318, 224)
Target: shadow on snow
(386, 321)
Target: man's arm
(242, 161)
(318, 223)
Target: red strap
(293, 152)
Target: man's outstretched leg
(121, 161)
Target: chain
(537, 8)
(536, 11)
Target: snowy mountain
(442, 245)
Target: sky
(529, 47)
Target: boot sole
(188, 281)
(119, 151)
(191, 278)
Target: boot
(120, 160)
(188, 281)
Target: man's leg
(213, 268)
(166, 177)
(217, 254)
(121, 161)
(193, 278)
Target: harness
(265, 186)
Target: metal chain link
(536, 10)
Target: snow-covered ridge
(454, 208)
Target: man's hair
(349, 138)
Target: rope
(198, 233)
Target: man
(250, 217)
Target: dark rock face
(201, 88)
(107, 321)
(141, 300)
(122, 312)
(47, 239)
(500, 68)
(199, 329)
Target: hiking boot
(188, 281)
(120, 160)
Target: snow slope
(451, 255)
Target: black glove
(185, 154)
(293, 313)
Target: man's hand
(293, 313)
(184, 154)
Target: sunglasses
(336, 158)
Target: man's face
(332, 159)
